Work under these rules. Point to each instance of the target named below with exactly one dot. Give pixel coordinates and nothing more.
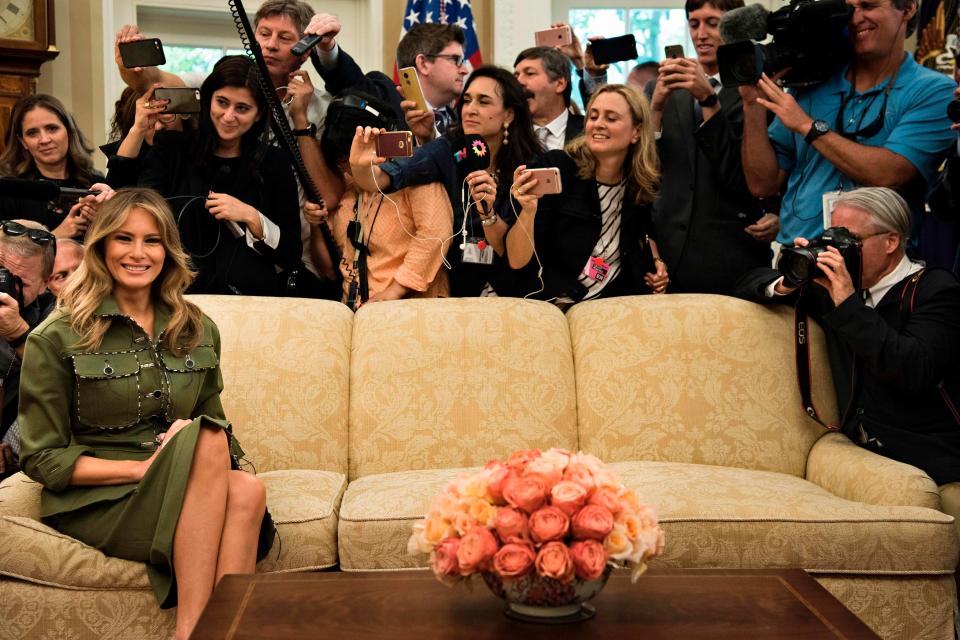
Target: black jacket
(704, 201)
(574, 127)
(566, 231)
(347, 74)
(900, 359)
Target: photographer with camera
(879, 120)
(26, 261)
(893, 339)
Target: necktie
(443, 119)
(542, 133)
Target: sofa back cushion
(457, 382)
(695, 378)
(285, 364)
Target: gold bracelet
(657, 259)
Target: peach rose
(548, 523)
(617, 544)
(568, 496)
(514, 560)
(607, 498)
(544, 468)
(476, 550)
(527, 494)
(580, 474)
(554, 561)
(604, 478)
(444, 560)
(436, 529)
(511, 525)
(589, 559)
(497, 474)
(518, 460)
(593, 522)
(482, 512)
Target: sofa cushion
(303, 505)
(713, 517)
(285, 364)
(456, 382)
(695, 378)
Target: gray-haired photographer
(892, 329)
(27, 252)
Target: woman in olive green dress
(121, 418)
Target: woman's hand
(522, 183)
(82, 214)
(363, 151)
(394, 291)
(315, 214)
(299, 91)
(148, 111)
(658, 280)
(172, 430)
(483, 188)
(223, 206)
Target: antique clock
(26, 42)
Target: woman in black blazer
(595, 239)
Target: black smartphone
(182, 99)
(674, 51)
(142, 53)
(614, 49)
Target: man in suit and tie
(545, 73)
(710, 229)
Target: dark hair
(651, 65)
(230, 71)
(349, 110)
(426, 39)
(904, 5)
(523, 144)
(300, 12)
(124, 114)
(720, 5)
(16, 162)
(555, 64)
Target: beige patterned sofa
(692, 398)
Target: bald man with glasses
(879, 120)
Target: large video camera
(809, 36)
(798, 265)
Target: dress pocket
(186, 374)
(107, 389)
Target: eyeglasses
(452, 57)
(41, 237)
(874, 127)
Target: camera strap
(801, 338)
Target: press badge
(596, 268)
(829, 204)
(477, 251)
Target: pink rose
(568, 496)
(547, 469)
(527, 494)
(476, 550)
(580, 474)
(589, 559)
(511, 525)
(593, 522)
(548, 523)
(443, 559)
(518, 460)
(497, 474)
(514, 560)
(554, 561)
(607, 498)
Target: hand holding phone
(548, 181)
(410, 83)
(395, 144)
(142, 53)
(181, 99)
(558, 37)
(616, 49)
(672, 51)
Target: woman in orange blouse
(392, 246)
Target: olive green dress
(111, 403)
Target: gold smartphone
(410, 83)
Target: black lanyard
(874, 127)
(361, 251)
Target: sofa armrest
(20, 496)
(853, 473)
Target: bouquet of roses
(555, 513)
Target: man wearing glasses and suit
(879, 120)
(27, 252)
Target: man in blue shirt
(878, 121)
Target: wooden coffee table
(671, 604)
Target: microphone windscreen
(42, 190)
(474, 155)
(744, 23)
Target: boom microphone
(43, 190)
(744, 23)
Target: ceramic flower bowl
(533, 598)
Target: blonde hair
(92, 282)
(642, 164)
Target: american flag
(456, 12)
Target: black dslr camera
(809, 36)
(12, 286)
(798, 265)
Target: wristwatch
(818, 129)
(709, 101)
(309, 131)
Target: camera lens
(798, 265)
(953, 111)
